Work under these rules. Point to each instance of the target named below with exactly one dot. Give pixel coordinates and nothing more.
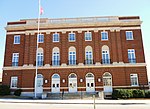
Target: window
(72, 58)
(88, 36)
(17, 39)
(88, 55)
(40, 59)
(15, 59)
(129, 35)
(134, 79)
(55, 37)
(14, 81)
(56, 59)
(40, 38)
(131, 56)
(104, 35)
(89, 59)
(72, 55)
(72, 37)
(105, 57)
(56, 56)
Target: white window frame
(106, 37)
(89, 57)
(55, 59)
(131, 51)
(54, 37)
(40, 39)
(17, 39)
(40, 59)
(69, 35)
(88, 36)
(14, 82)
(134, 79)
(15, 58)
(72, 58)
(131, 35)
(105, 57)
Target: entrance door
(107, 82)
(90, 83)
(39, 83)
(72, 83)
(55, 83)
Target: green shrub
(115, 94)
(147, 94)
(138, 94)
(4, 90)
(17, 92)
(129, 93)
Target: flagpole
(35, 90)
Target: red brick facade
(119, 67)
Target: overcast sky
(13, 10)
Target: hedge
(4, 90)
(130, 93)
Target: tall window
(104, 35)
(105, 55)
(15, 59)
(72, 56)
(14, 81)
(40, 38)
(72, 37)
(129, 35)
(17, 39)
(88, 36)
(88, 55)
(131, 56)
(55, 37)
(55, 57)
(134, 79)
(40, 59)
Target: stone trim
(77, 66)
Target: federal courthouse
(89, 54)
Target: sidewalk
(77, 101)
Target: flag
(41, 10)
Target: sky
(14, 10)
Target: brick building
(89, 54)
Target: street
(7, 105)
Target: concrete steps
(77, 95)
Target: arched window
(88, 55)
(89, 75)
(105, 55)
(40, 58)
(56, 56)
(55, 76)
(72, 75)
(72, 56)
